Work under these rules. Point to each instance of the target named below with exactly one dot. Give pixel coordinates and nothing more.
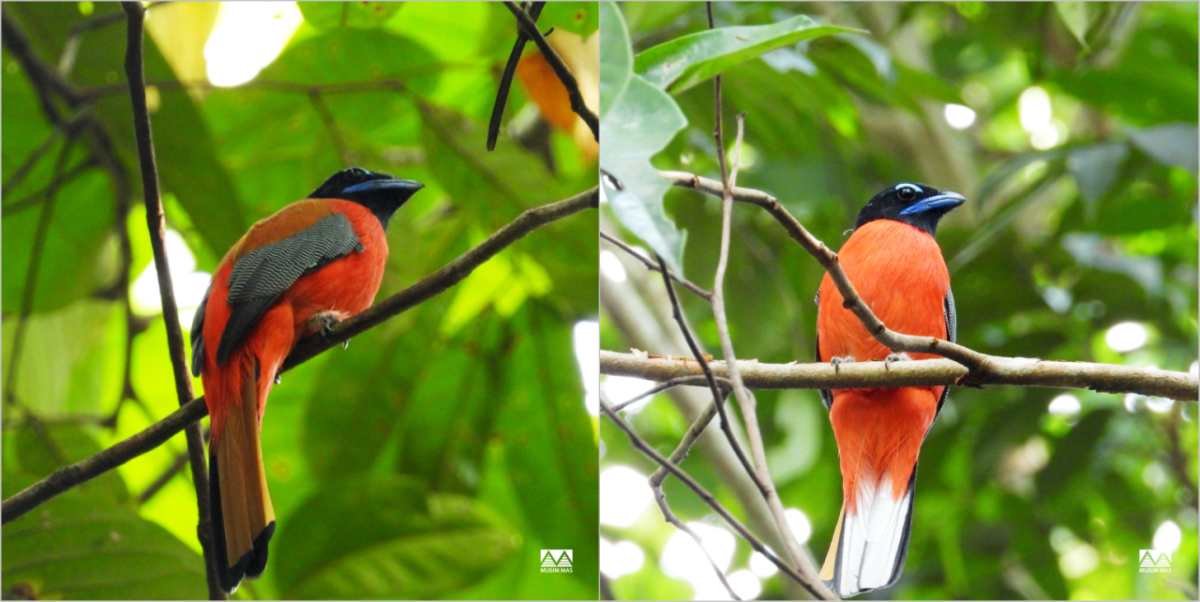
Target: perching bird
(897, 268)
(294, 274)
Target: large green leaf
(638, 121)
(351, 410)
(549, 441)
(358, 15)
(82, 547)
(684, 62)
(384, 539)
(616, 57)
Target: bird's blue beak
(409, 186)
(947, 200)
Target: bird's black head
(379, 192)
(914, 204)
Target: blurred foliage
(1056, 244)
(432, 459)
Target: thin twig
(37, 198)
(176, 466)
(35, 264)
(654, 267)
(510, 69)
(755, 543)
(156, 224)
(67, 477)
(560, 68)
(1105, 378)
(717, 396)
(746, 399)
(660, 387)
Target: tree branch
(448, 276)
(156, 224)
(89, 468)
(510, 69)
(560, 68)
(654, 267)
(1105, 378)
(155, 435)
(755, 543)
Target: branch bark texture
(1106, 378)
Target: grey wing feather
(826, 394)
(262, 275)
(197, 335)
(951, 335)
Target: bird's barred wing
(262, 275)
(197, 335)
(826, 394)
(952, 336)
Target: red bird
(897, 268)
(294, 274)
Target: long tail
(242, 514)
(869, 545)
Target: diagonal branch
(157, 225)
(155, 435)
(654, 267)
(1105, 378)
(560, 68)
(510, 69)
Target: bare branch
(1105, 378)
(654, 267)
(157, 226)
(755, 543)
(717, 397)
(444, 278)
(89, 468)
(560, 68)
(510, 69)
(674, 382)
(158, 433)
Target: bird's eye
(906, 193)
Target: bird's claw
(895, 357)
(837, 361)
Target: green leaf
(84, 547)
(616, 64)
(496, 184)
(684, 62)
(643, 122)
(1073, 453)
(384, 538)
(352, 408)
(44, 448)
(356, 15)
(550, 444)
(578, 17)
(1077, 17)
(1175, 144)
(72, 264)
(1095, 169)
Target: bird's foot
(837, 361)
(895, 357)
(323, 322)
